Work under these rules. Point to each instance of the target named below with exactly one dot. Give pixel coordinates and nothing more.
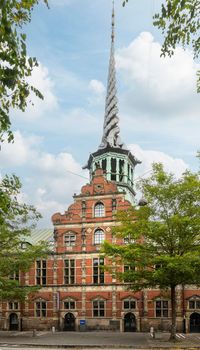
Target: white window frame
(162, 308)
(71, 271)
(129, 300)
(70, 239)
(41, 308)
(101, 311)
(69, 300)
(99, 236)
(13, 305)
(99, 210)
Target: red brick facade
(75, 293)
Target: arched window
(99, 210)
(98, 236)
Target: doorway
(13, 322)
(195, 323)
(130, 323)
(69, 322)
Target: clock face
(98, 188)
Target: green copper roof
(38, 235)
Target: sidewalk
(98, 340)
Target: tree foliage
(16, 221)
(165, 235)
(15, 65)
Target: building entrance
(130, 323)
(69, 322)
(195, 323)
(13, 322)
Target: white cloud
(19, 153)
(37, 107)
(97, 98)
(97, 87)
(162, 87)
(174, 165)
(49, 180)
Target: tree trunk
(173, 317)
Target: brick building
(76, 294)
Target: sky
(158, 104)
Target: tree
(165, 236)
(15, 65)
(16, 220)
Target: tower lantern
(112, 155)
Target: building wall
(76, 297)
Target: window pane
(99, 210)
(165, 313)
(165, 304)
(43, 313)
(72, 305)
(98, 237)
(95, 304)
(158, 304)
(66, 305)
(38, 313)
(126, 304)
(95, 313)
(197, 304)
(191, 304)
(158, 313)
(101, 313)
(132, 304)
(70, 239)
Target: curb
(105, 346)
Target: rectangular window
(70, 240)
(14, 276)
(70, 305)
(98, 308)
(41, 308)
(129, 240)
(162, 308)
(98, 273)
(14, 305)
(129, 304)
(41, 272)
(69, 271)
(191, 304)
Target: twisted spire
(111, 128)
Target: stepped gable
(98, 187)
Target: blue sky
(158, 104)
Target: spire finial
(111, 129)
(113, 22)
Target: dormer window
(70, 239)
(99, 210)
